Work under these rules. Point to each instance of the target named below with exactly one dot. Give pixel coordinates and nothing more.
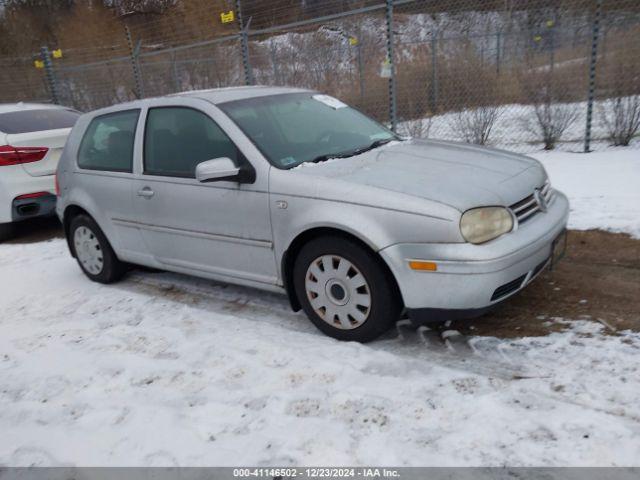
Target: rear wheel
(93, 252)
(344, 290)
(6, 231)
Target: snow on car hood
(460, 175)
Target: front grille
(507, 288)
(526, 208)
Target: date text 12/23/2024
(316, 472)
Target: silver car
(293, 191)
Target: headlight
(480, 225)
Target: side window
(177, 139)
(108, 142)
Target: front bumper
(471, 279)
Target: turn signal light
(423, 266)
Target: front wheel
(344, 290)
(93, 252)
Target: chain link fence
(520, 75)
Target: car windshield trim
(227, 107)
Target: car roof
(20, 106)
(214, 95)
(228, 94)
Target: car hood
(459, 175)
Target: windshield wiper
(329, 156)
(376, 144)
(357, 151)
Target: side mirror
(217, 169)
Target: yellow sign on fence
(57, 53)
(227, 17)
(353, 41)
(38, 63)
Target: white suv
(32, 137)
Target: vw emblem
(541, 201)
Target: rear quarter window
(107, 143)
(26, 121)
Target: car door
(104, 178)
(220, 229)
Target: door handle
(146, 192)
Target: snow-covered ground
(603, 187)
(164, 369)
(515, 128)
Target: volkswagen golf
(293, 191)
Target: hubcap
(338, 292)
(88, 250)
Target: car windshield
(294, 128)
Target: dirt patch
(598, 279)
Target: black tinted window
(177, 139)
(25, 121)
(108, 142)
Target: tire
(93, 251)
(6, 231)
(344, 290)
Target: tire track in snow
(421, 347)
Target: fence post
(552, 46)
(360, 69)
(244, 44)
(135, 64)
(392, 79)
(50, 74)
(174, 71)
(498, 39)
(592, 75)
(434, 71)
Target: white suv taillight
(16, 155)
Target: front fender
(376, 227)
(300, 202)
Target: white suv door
(221, 228)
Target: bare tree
(418, 128)
(474, 125)
(552, 120)
(554, 107)
(621, 118)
